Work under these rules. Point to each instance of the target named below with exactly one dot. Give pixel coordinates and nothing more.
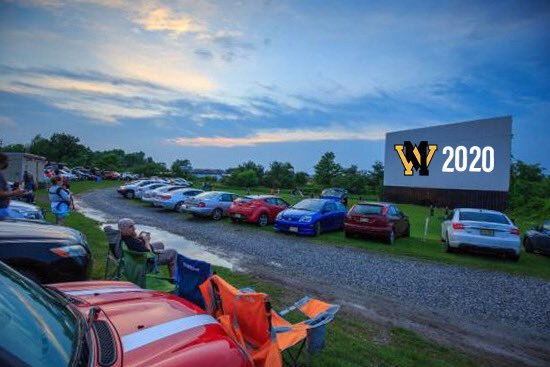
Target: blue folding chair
(190, 274)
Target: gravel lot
(486, 300)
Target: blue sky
(228, 81)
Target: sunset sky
(224, 82)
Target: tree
(236, 179)
(19, 148)
(300, 178)
(280, 175)
(247, 178)
(375, 178)
(110, 161)
(351, 179)
(327, 169)
(182, 167)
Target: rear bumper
(205, 212)
(485, 243)
(166, 204)
(302, 228)
(148, 199)
(367, 230)
(243, 215)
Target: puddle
(179, 243)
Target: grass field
(350, 342)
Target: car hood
(19, 205)
(29, 231)
(295, 214)
(157, 328)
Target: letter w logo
(417, 157)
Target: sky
(224, 82)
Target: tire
(263, 220)
(407, 232)
(217, 214)
(348, 234)
(528, 245)
(129, 194)
(178, 206)
(317, 229)
(234, 220)
(448, 247)
(391, 237)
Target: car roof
(380, 203)
(479, 210)
(21, 204)
(255, 197)
(14, 231)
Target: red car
(107, 323)
(260, 209)
(383, 220)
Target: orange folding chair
(248, 318)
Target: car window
(271, 201)
(331, 207)
(398, 211)
(226, 197)
(483, 217)
(234, 197)
(281, 202)
(367, 209)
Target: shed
(21, 162)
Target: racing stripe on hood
(87, 292)
(150, 335)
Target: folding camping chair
(247, 316)
(114, 255)
(190, 274)
(141, 269)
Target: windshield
(367, 209)
(36, 329)
(310, 204)
(333, 192)
(484, 217)
(207, 195)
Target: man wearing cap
(5, 193)
(142, 243)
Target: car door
(331, 215)
(393, 219)
(272, 207)
(400, 222)
(445, 225)
(225, 201)
(281, 205)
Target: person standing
(29, 186)
(60, 200)
(5, 193)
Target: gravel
(474, 294)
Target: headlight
(69, 251)
(305, 218)
(279, 216)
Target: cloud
(164, 19)
(204, 53)
(6, 122)
(282, 136)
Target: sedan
(103, 323)
(312, 217)
(129, 190)
(45, 252)
(537, 239)
(259, 209)
(19, 209)
(213, 204)
(481, 230)
(140, 191)
(174, 200)
(151, 196)
(382, 220)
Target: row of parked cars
(464, 229)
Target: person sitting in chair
(142, 243)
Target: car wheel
(448, 247)
(348, 234)
(178, 206)
(317, 229)
(130, 195)
(408, 231)
(528, 245)
(391, 237)
(263, 219)
(217, 214)
(234, 220)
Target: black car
(537, 239)
(44, 252)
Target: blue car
(312, 217)
(336, 194)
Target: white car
(67, 175)
(140, 191)
(129, 190)
(174, 200)
(481, 230)
(19, 209)
(150, 196)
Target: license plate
(365, 220)
(236, 215)
(487, 232)
(293, 229)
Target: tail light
(166, 197)
(515, 231)
(201, 205)
(457, 225)
(69, 251)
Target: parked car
(537, 239)
(336, 194)
(151, 196)
(128, 176)
(381, 220)
(45, 252)
(102, 323)
(312, 217)
(111, 175)
(175, 199)
(141, 190)
(259, 209)
(19, 209)
(129, 190)
(67, 175)
(213, 204)
(182, 182)
(481, 230)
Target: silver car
(151, 196)
(19, 209)
(481, 230)
(140, 191)
(213, 204)
(174, 200)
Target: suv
(106, 323)
(382, 220)
(45, 252)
